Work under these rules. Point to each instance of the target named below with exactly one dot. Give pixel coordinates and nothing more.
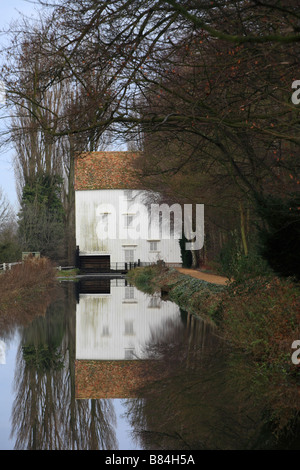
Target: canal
(105, 366)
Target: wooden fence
(8, 266)
(114, 267)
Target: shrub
(262, 317)
(143, 278)
(25, 291)
(234, 264)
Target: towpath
(213, 278)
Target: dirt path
(213, 278)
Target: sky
(9, 11)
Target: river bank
(260, 315)
(25, 292)
(191, 294)
(259, 318)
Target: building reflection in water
(114, 324)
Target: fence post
(4, 266)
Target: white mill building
(113, 216)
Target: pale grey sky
(9, 11)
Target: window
(129, 292)
(105, 330)
(129, 327)
(154, 302)
(129, 353)
(129, 256)
(128, 220)
(154, 246)
(129, 295)
(104, 220)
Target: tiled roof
(107, 170)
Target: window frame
(154, 246)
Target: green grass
(191, 294)
(67, 273)
(260, 316)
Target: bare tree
(212, 81)
(39, 105)
(6, 212)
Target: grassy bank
(259, 319)
(68, 274)
(193, 295)
(259, 316)
(25, 291)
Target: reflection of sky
(113, 310)
(7, 372)
(9, 10)
(2, 352)
(123, 429)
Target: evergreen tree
(186, 255)
(41, 219)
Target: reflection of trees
(46, 415)
(194, 402)
(22, 310)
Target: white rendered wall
(90, 207)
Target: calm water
(108, 367)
